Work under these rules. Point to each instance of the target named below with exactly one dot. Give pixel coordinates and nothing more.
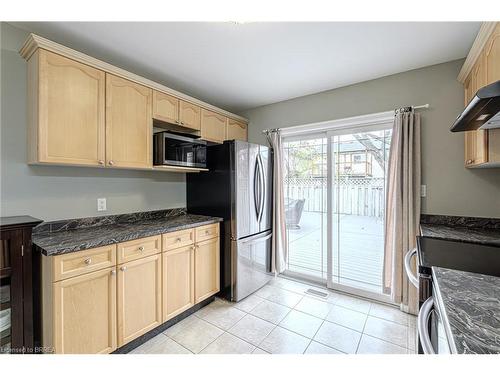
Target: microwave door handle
(423, 325)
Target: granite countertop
(469, 304)
(94, 232)
(462, 229)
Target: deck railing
(362, 196)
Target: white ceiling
(242, 66)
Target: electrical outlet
(423, 191)
(101, 204)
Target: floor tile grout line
(384, 340)
(322, 342)
(362, 333)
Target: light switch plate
(101, 204)
(423, 191)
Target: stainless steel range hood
(482, 112)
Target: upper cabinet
(213, 126)
(189, 115)
(482, 147)
(236, 130)
(86, 112)
(165, 107)
(168, 108)
(129, 123)
(492, 56)
(66, 117)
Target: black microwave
(179, 150)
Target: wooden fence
(351, 196)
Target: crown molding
(478, 45)
(33, 42)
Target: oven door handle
(423, 325)
(411, 276)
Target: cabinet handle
(182, 122)
(141, 248)
(111, 162)
(87, 261)
(176, 121)
(113, 272)
(207, 232)
(123, 268)
(470, 161)
(101, 162)
(178, 239)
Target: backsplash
(88, 222)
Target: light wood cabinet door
(236, 130)
(206, 269)
(476, 141)
(492, 56)
(70, 110)
(129, 123)
(85, 313)
(178, 281)
(139, 297)
(165, 107)
(213, 126)
(189, 115)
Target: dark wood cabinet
(17, 270)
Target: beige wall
(51, 192)
(451, 189)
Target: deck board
(358, 254)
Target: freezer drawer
(251, 264)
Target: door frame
(329, 129)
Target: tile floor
(282, 318)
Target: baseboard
(156, 331)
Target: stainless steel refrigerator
(238, 188)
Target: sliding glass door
(358, 165)
(335, 200)
(306, 207)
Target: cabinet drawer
(140, 248)
(207, 232)
(178, 239)
(82, 262)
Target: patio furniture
(293, 212)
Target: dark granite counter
(469, 304)
(66, 236)
(463, 229)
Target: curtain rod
(422, 106)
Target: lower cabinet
(207, 266)
(95, 302)
(178, 281)
(139, 297)
(85, 313)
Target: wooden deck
(357, 250)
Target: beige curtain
(402, 214)
(279, 242)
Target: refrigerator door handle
(256, 187)
(262, 191)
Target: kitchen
(144, 220)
